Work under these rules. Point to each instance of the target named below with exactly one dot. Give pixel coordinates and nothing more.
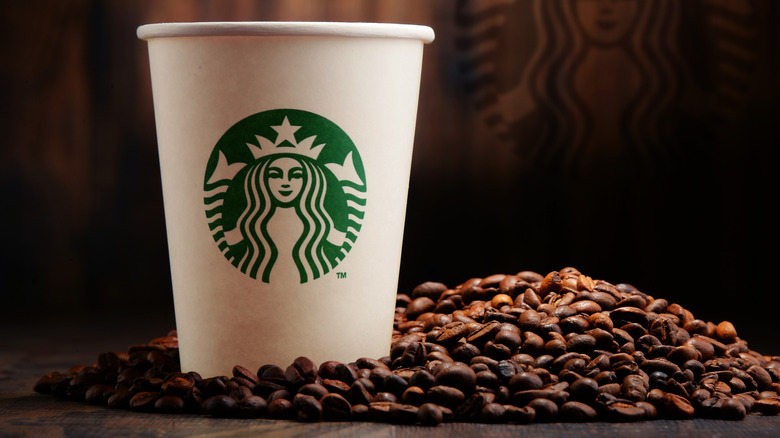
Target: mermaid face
(606, 21)
(285, 179)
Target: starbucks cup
(285, 152)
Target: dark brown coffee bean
(212, 386)
(327, 370)
(219, 406)
(419, 306)
(414, 395)
(369, 363)
(767, 406)
(281, 393)
(634, 388)
(624, 412)
(281, 409)
(577, 412)
(119, 400)
(244, 373)
(732, 409)
(309, 408)
(170, 404)
(99, 394)
(335, 408)
(176, 386)
(144, 401)
(301, 371)
(315, 390)
(45, 384)
(492, 413)
(545, 410)
(583, 389)
(525, 381)
(457, 375)
(429, 414)
(429, 289)
(761, 377)
(447, 396)
(470, 409)
(512, 414)
(676, 406)
(252, 406)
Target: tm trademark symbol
(341, 275)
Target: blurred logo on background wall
(569, 84)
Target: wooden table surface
(29, 350)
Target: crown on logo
(285, 143)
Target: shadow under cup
(285, 152)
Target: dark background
(680, 207)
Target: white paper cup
(285, 152)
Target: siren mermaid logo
(285, 195)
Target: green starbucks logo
(285, 192)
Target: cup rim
(285, 28)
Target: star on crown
(285, 143)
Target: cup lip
(285, 28)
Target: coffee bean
(429, 289)
(144, 401)
(335, 408)
(281, 409)
(119, 400)
(677, 406)
(457, 375)
(726, 332)
(446, 396)
(574, 411)
(545, 410)
(301, 371)
(624, 412)
(170, 404)
(309, 408)
(99, 394)
(218, 406)
(499, 349)
(430, 414)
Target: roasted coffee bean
(525, 381)
(430, 414)
(144, 401)
(309, 408)
(545, 410)
(252, 406)
(574, 411)
(446, 396)
(621, 411)
(583, 389)
(219, 406)
(301, 371)
(335, 408)
(519, 415)
(99, 394)
(170, 404)
(492, 413)
(457, 375)
(677, 406)
(361, 392)
(504, 348)
(281, 409)
(119, 400)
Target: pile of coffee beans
(515, 349)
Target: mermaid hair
(261, 252)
